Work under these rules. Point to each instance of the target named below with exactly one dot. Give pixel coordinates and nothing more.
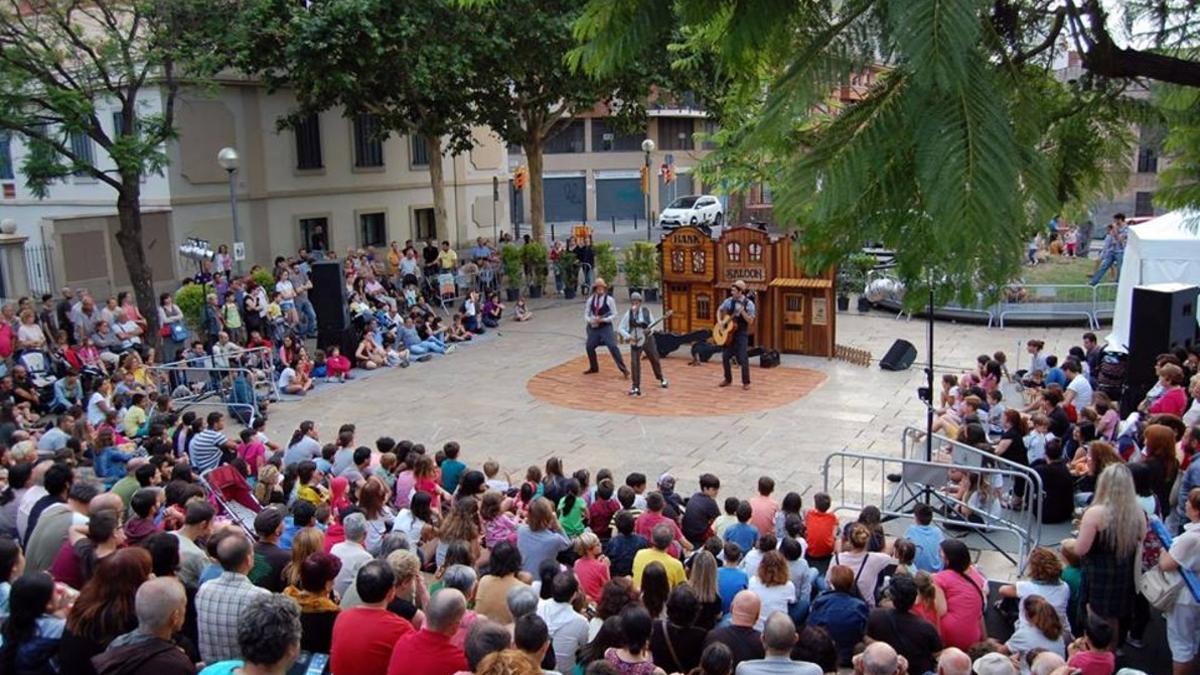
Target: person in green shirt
(128, 485)
(1072, 575)
(233, 318)
(572, 510)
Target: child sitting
(624, 545)
(821, 529)
(723, 521)
(600, 513)
(1090, 653)
(1035, 440)
(109, 463)
(320, 367)
(491, 471)
(145, 504)
(498, 524)
(742, 532)
(252, 451)
(926, 538)
(995, 413)
(521, 312)
(792, 505)
(592, 568)
(731, 578)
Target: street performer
(739, 306)
(635, 328)
(600, 311)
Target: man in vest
(741, 308)
(599, 313)
(635, 327)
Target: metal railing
(856, 480)
(200, 382)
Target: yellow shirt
(135, 417)
(447, 260)
(393, 260)
(274, 311)
(675, 573)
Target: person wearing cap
(599, 313)
(635, 327)
(269, 558)
(739, 306)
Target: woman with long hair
(372, 499)
(419, 523)
(715, 660)
(314, 595)
(1159, 449)
(12, 565)
(34, 627)
(773, 585)
(104, 608)
(1040, 628)
(634, 658)
(616, 594)
(703, 580)
(677, 642)
(1109, 542)
(308, 540)
(463, 526)
(656, 587)
(1182, 619)
(503, 574)
(554, 483)
(965, 590)
(540, 537)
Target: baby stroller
(230, 493)
(39, 368)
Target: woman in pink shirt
(592, 567)
(1174, 399)
(964, 588)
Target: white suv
(703, 211)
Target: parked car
(703, 211)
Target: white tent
(1162, 250)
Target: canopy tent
(1162, 250)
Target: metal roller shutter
(619, 198)
(566, 199)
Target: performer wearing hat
(600, 311)
(634, 327)
(741, 308)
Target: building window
(81, 147)
(568, 139)
(314, 233)
(793, 303)
(733, 251)
(419, 146)
(703, 307)
(308, 143)
(368, 141)
(1147, 161)
(372, 229)
(710, 130)
(1143, 204)
(675, 133)
(118, 124)
(606, 138)
(756, 252)
(6, 163)
(698, 260)
(424, 226)
(677, 261)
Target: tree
(965, 145)
(533, 91)
(392, 60)
(61, 60)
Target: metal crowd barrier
(200, 382)
(855, 480)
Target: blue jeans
(308, 316)
(1109, 260)
(426, 347)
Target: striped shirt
(204, 450)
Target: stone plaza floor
(481, 397)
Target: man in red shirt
(429, 650)
(653, 516)
(364, 636)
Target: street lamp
(229, 160)
(648, 147)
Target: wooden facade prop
(796, 312)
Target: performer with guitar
(733, 332)
(599, 313)
(637, 328)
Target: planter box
(843, 303)
(512, 294)
(569, 292)
(535, 291)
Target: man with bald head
(954, 661)
(220, 602)
(778, 637)
(739, 635)
(879, 658)
(430, 651)
(161, 605)
(52, 526)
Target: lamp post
(229, 160)
(648, 147)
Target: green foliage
(537, 260)
(264, 278)
(606, 262)
(190, 299)
(568, 265)
(641, 264)
(852, 273)
(512, 261)
(1179, 185)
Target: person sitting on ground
(867, 565)
(1044, 570)
(739, 634)
(292, 381)
(268, 638)
(429, 651)
(841, 611)
(779, 637)
(363, 637)
(676, 643)
(521, 312)
(221, 601)
(880, 658)
(1090, 654)
(912, 636)
(662, 537)
(623, 547)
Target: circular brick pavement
(693, 391)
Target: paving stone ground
(481, 397)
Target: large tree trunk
(437, 182)
(537, 206)
(129, 236)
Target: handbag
(179, 333)
(1160, 588)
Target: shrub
(190, 299)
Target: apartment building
(329, 183)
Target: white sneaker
(449, 349)
(663, 383)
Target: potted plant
(635, 274)
(191, 299)
(606, 262)
(861, 265)
(568, 267)
(653, 271)
(537, 261)
(511, 263)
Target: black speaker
(899, 357)
(328, 296)
(1162, 318)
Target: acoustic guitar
(647, 330)
(726, 326)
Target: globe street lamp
(648, 147)
(229, 160)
